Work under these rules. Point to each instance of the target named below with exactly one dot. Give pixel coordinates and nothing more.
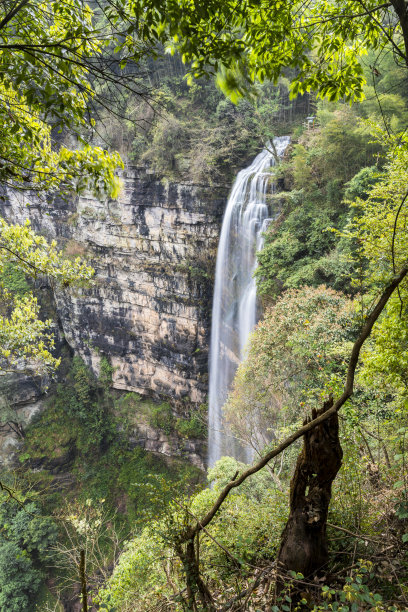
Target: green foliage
(161, 417)
(373, 226)
(85, 430)
(20, 580)
(25, 540)
(26, 340)
(43, 89)
(323, 44)
(295, 358)
(360, 185)
(199, 135)
(248, 526)
(86, 399)
(200, 143)
(299, 247)
(355, 594)
(195, 426)
(138, 578)
(45, 86)
(13, 279)
(259, 487)
(378, 229)
(34, 255)
(297, 353)
(78, 418)
(150, 482)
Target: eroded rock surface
(149, 306)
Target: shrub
(161, 417)
(25, 539)
(13, 278)
(196, 425)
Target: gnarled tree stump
(304, 541)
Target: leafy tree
(295, 359)
(25, 540)
(20, 580)
(53, 64)
(26, 340)
(26, 152)
(242, 42)
(379, 226)
(378, 229)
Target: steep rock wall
(153, 251)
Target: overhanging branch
(348, 391)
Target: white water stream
(234, 313)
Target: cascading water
(234, 313)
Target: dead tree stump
(304, 541)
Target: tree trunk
(196, 587)
(304, 541)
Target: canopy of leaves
(245, 41)
(50, 57)
(378, 230)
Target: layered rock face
(20, 401)
(148, 308)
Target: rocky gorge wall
(148, 308)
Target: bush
(13, 278)
(161, 417)
(195, 426)
(25, 539)
(86, 398)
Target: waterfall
(234, 312)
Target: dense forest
(124, 126)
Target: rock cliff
(153, 251)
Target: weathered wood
(304, 541)
(82, 577)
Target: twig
(368, 447)
(246, 593)
(369, 433)
(394, 231)
(207, 533)
(354, 535)
(83, 581)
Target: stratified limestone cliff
(149, 306)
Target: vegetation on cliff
(339, 241)
(319, 238)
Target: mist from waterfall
(234, 313)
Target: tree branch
(12, 13)
(348, 391)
